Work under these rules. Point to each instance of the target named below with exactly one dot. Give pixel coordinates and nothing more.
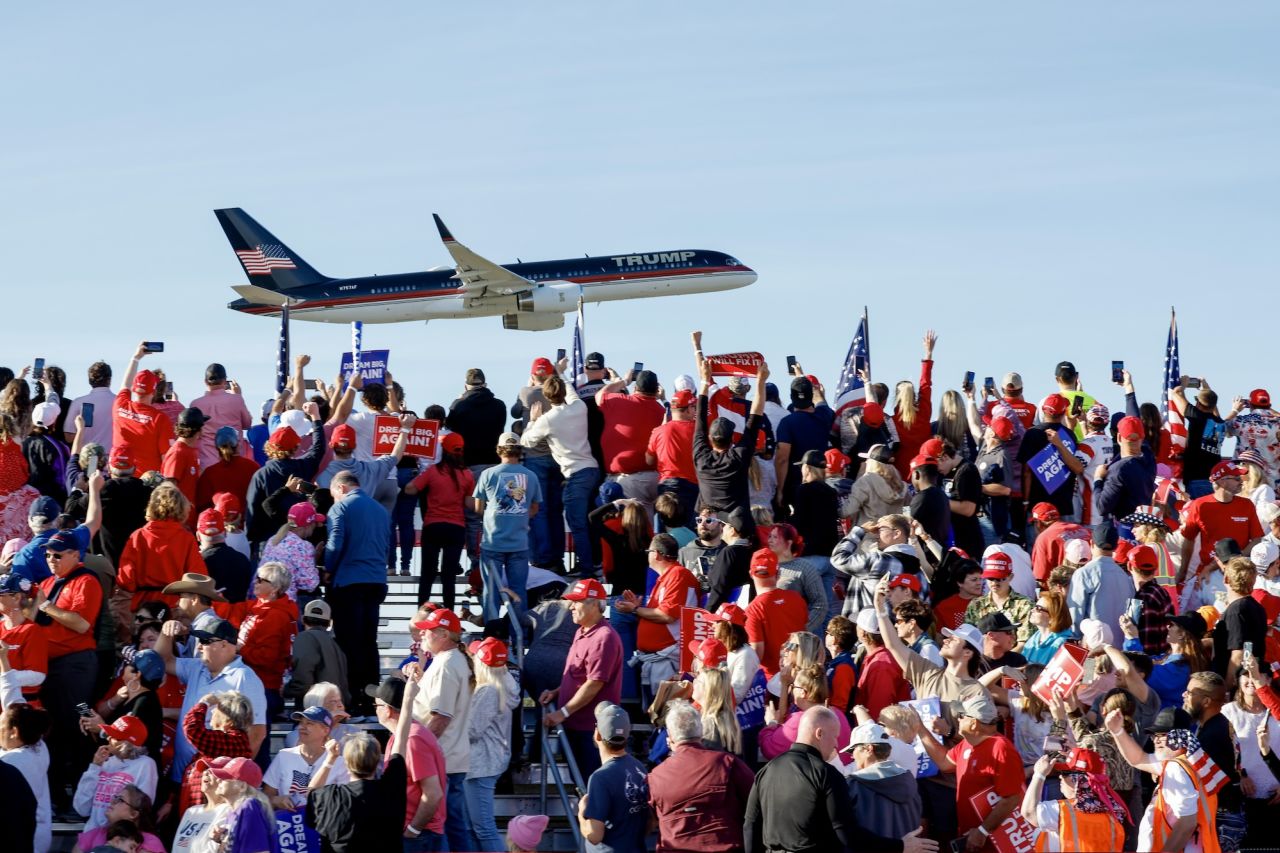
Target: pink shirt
(222, 408)
(299, 557)
(423, 759)
(775, 740)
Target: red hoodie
(910, 439)
(266, 635)
(156, 555)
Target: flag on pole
(850, 389)
(577, 363)
(357, 337)
(282, 356)
(1172, 379)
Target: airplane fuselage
(436, 294)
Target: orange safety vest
(1086, 833)
(1206, 811)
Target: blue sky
(1034, 183)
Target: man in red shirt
(181, 462)
(67, 604)
(989, 781)
(880, 684)
(658, 635)
(424, 763)
(774, 614)
(1052, 536)
(1221, 515)
(671, 451)
(629, 420)
(949, 612)
(1012, 398)
(137, 426)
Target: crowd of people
(761, 623)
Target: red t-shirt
(142, 428)
(1213, 520)
(156, 555)
(82, 595)
(1051, 547)
(949, 613)
(992, 764)
(881, 683)
(222, 476)
(676, 588)
(181, 464)
(28, 649)
(1026, 410)
(423, 759)
(773, 616)
(441, 496)
(672, 445)
(629, 419)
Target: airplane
(532, 296)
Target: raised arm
(299, 389)
(126, 381)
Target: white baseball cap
(969, 633)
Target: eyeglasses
(711, 521)
(1040, 608)
(56, 555)
(790, 647)
(120, 799)
(261, 579)
(209, 642)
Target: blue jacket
(1130, 482)
(359, 539)
(259, 522)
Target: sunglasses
(790, 647)
(1040, 608)
(261, 579)
(209, 642)
(710, 521)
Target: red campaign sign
(695, 624)
(1063, 672)
(423, 441)
(1014, 835)
(735, 363)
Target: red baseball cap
(227, 504)
(732, 613)
(1055, 404)
(872, 414)
(997, 566)
(587, 589)
(923, 460)
(1121, 553)
(1270, 603)
(542, 367)
(145, 382)
(1081, 760)
(683, 399)
(932, 447)
(128, 728)
(1130, 429)
(285, 439)
(1143, 557)
(1002, 427)
(905, 581)
(490, 651)
(242, 769)
(1045, 511)
(211, 522)
(1225, 468)
(441, 618)
(836, 460)
(343, 438)
(710, 652)
(1259, 398)
(764, 564)
(120, 460)
(453, 442)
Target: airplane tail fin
(267, 261)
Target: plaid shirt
(1016, 607)
(864, 568)
(209, 744)
(1153, 623)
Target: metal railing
(517, 630)
(555, 741)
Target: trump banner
(1064, 670)
(422, 442)
(373, 365)
(1014, 834)
(696, 625)
(735, 363)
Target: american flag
(1211, 775)
(1172, 379)
(265, 258)
(298, 784)
(357, 344)
(282, 356)
(850, 389)
(579, 354)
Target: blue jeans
(480, 808)
(475, 522)
(686, 493)
(578, 490)
(1199, 488)
(628, 626)
(427, 842)
(457, 824)
(499, 569)
(546, 529)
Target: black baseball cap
(739, 519)
(1169, 719)
(720, 431)
(1064, 370)
(192, 417)
(1105, 535)
(996, 622)
(816, 458)
(801, 389)
(1226, 549)
(594, 361)
(218, 629)
(1191, 622)
(391, 691)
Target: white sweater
(565, 429)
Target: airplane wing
(480, 276)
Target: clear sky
(1034, 182)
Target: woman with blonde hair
(913, 409)
(489, 726)
(801, 651)
(156, 555)
(807, 690)
(953, 425)
(714, 697)
(1257, 486)
(878, 492)
(15, 403)
(16, 495)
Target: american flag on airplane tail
(1172, 379)
(1211, 775)
(850, 389)
(265, 258)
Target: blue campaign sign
(929, 710)
(1049, 467)
(293, 835)
(373, 365)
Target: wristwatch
(985, 832)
